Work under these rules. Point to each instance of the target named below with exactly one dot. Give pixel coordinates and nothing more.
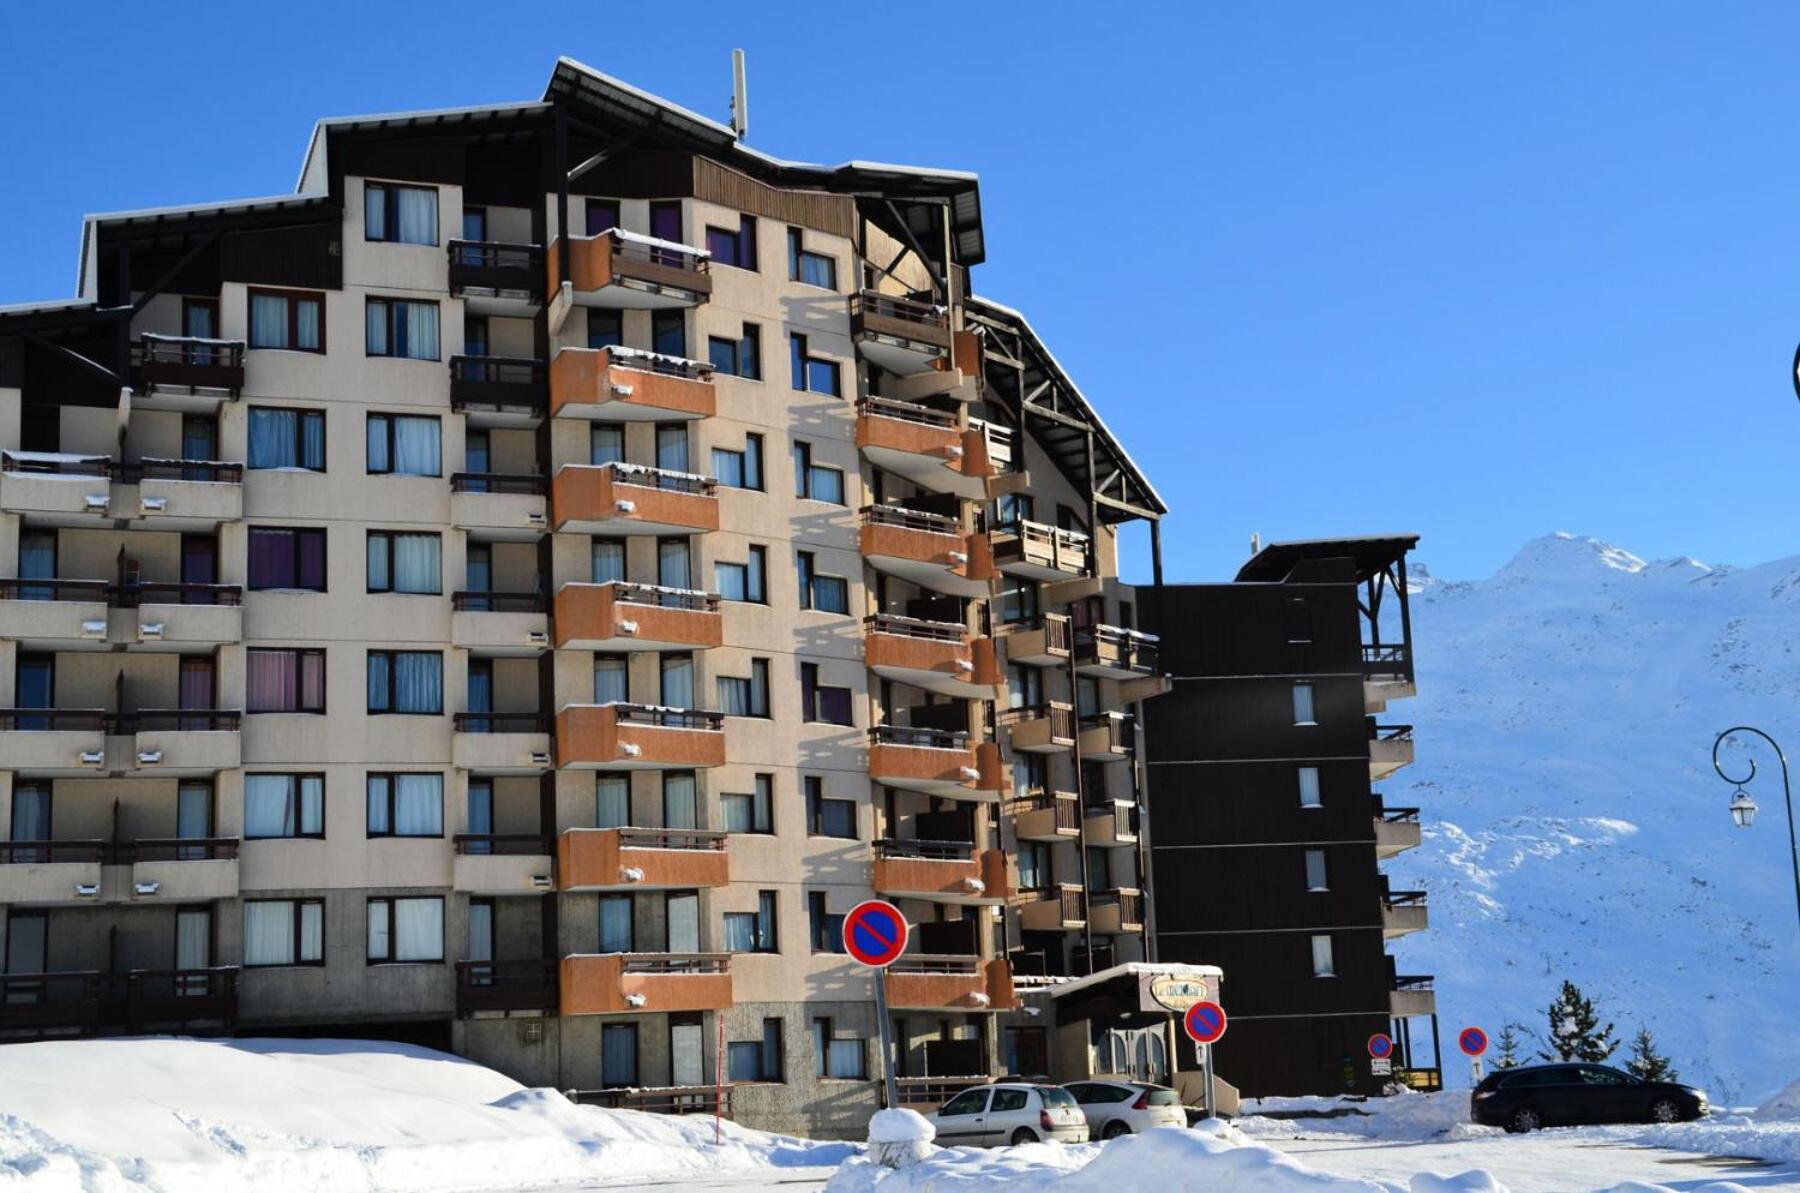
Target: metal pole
(719, 1079)
(1786, 791)
(1206, 1068)
(887, 1044)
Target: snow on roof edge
(1173, 969)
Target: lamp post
(1743, 808)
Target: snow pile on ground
(1750, 1136)
(1783, 1107)
(171, 1115)
(1405, 1116)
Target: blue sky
(1480, 272)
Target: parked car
(1009, 1113)
(1115, 1108)
(1533, 1096)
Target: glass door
(35, 687)
(481, 930)
(672, 446)
(683, 910)
(687, 1054)
(681, 802)
(193, 817)
(674, 567)
(678, 680)
(481, 694)
(196, 692)
(30, 820)
(199, 565)
(37, 561)
(478, 459)
(27, 946)
(193, 950)
(200, 319)
(481, 815)
(479, 575)
(618, 1055)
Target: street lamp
(1742, 807)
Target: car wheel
(1023, 1136)
(1524, 1119)
(1664, 1110)
(1114, 1129)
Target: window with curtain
(1034, 866)
(743, 1057)
(741, 357)
(672, 446)
(745, 696)
(678, 681)
(1309, 787)
(284, 932)
(822, 702)
(816, 482)
(405, 445)
(747, 581)
(1303, 704)
(612, 801)
(814, 374)
(193, 942)
(30, 819)
(1321, 958)
(406, 929)
(804, 265)
(615, 924)
(740, 469)
(606, 443)
(750, 812)
(668, 333)
(401, 328)
(674, 568)
(400, 214)
(282, 438)
(740, 931)
(681, 912)
(733, 246)
(284, 805)
(618, 1055)
(405, 563)
(406, 681)
(819, 592)
(681, 800)
(281, 557)
(826, 930)
(479, 806)
(609, 560)
(284, 680)
(1315, 870)
(1018, 600)
(406, 805)
(290, 319)
(827, 817)
(610, 679)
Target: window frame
(1323, 885)
(756, 687)
(386, 538)
(304, 413)
(822, 925)
(390, 656)
(298, 917)
(1312, 704)
(388, 418)
(761, 799)
(392, 306)
(389, 901)
(801, 363)
(1317, 786)
(817, 806)
(390, 212)
(390, 833)
(294, 779)
(1330, 970)
(812, 704)
(295, 534)
(299, 652)
(292, 298)
(798, 257)
(807, 577)
(806, 474)
(752, 450)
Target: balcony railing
(708, 840)
(663, 479)
(910, 412)
(1398, 815)
(1061, 718)
(43, 853)
(924, 315)
(175, 849)
(1386, 661)
(1116, 648)
(189, 360)
(217, 472)
(500, 383)
(934, 1091)
(497, 266)
(178, 720)
(692, 600)
(677, 963)
(1064, 807)
(1415, 981)
(672, 1099)
(88, 591)
(501, 722)
(906, 735)
(1403, 898)
(499, 602)
(914, 627)
(55, 463)
(1038, 543)
(523, 484)
(53, 720)
(905, 519)
(89, 1000)
(659, 362)
(668, 718)
(175, 592)
(506, 986)
(501, 844)
(1390, 732)
(937, 851)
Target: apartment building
(1270, 829)
(517, 592)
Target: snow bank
(1777, 1141)
(1407, 1116)
(1783, 1107)
(119, 1116)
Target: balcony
(628, 385)
(184, 495)
(185, 742)
(497, 624)
(1047, 816)
(182, 616)
(1114, 652)
(53, 741)
(1390, 748)
(89, 1002)
(1112, 822)
(1040, 552)
(1051, 909)
(929, 550)
(645, 983)
(505, 987)
(501, 743)
(902, 335)
(493, 278)
(937, 656)
(1396, 831)
(631, 499)
(499, 507)
(936, 762)
(501, 863)
(182, 869)
(1403, 913)
(952, 872)
(926, 1094)
(1047, 728)
(185, 373)
(51, 872)
(637, 737)
(55, 614)
(660, 1099)
(641, 859)
(622, 616)
(1117, 912)
(1412, 994)
(499, 391)
(1044, 641)
(923, 981)
(623, 269)
(1107, 737)
(926, 447)
(56, 488)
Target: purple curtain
(271, 559)
(269, 679)
(312, 559)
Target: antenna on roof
(1255, 542)
(740, 97)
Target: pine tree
(1507, 1046)
(1575, 1031)
(1646, 1062)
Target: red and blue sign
(1205, 1022)
(1381, 1046)
(1472, 1040)
(875, 933)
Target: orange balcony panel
(640, 859)
(969, 772)
(951, 562)
(625, 737)
(607, 384)
(877, 433)
(605, 499)
(606, 983)
(976, 877)
(619, 616)
(610, 270)
(935, 656)
(964, 984)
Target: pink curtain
(269, 676)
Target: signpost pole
(1475, 1069)
(1206, 1069)
(885, 1029)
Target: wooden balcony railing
(1064, 804)
(178, 720)
(501, 844)
(673, 1099)
(1389, 732)
(1126, 649)
(175, 849)
(88, 1000)
(87, 591)
(527, 484)
(529, 985)
(910, 412)
(905, 310)
(499, 602)
(175, 592)
(1398, 815)
(894, 515)
(669, 718)
(41, 853)
(57, 720)
(192, 361)
(499, 382)
(493, 265)
(1386, 661)
(217, 472)
(501, 722)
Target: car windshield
(1055, 1097)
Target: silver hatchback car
(1115, 1108)
(1009, 1113)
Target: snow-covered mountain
(1573, 825)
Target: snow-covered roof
(1134, 969)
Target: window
(1297, 619)
(819, 702)
(291, 319)
(606, 443)
(1309, 787)
(816, 482)
(680, 799)
(608, 560)
(826, 930)
(1018, 600)
(406, 929)
(287, 438)
(284, 805)
(1303, 704)
(612, 801)
(752, 931)
(678, 682)
(825, 594)
(741, 357)
(406, 681)
(602, 216)
(400, 214)
(828, 817)
(1315, 870)
(973, 1101)
(740, 469)
(733, 246)
(282, 558)
(746, 697)
(757, 1060)
(814, 374)
(284, 680)
(815, 269)
(1009, 1099)
(405, 563)
(616, 934)
(835, 1056)
(668, 333)
(746, 581)
(401, 328)
(606, 328)
(284, 932)
(406, 805)
(610, 679)
(1034, 865)
(1321, 957)
(1010, 508)
(618, 1055)
(405, 444)
(752, 813)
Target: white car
(1009, 1113)
(1115, 1108)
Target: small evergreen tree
(1575, 1032)
(1506, 1055)
(1646, 1062)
